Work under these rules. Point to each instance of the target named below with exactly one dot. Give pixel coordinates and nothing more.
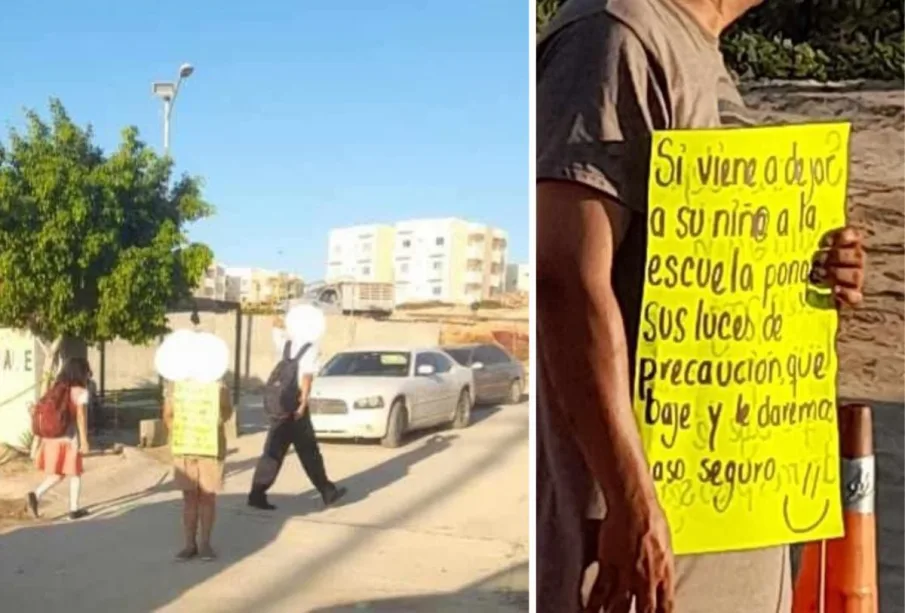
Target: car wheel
(396, 425)
(463, 411)
(515, 392)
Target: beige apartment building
(213, 283)
(361, 253)
(448, 260)
(260, 287)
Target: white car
(383, 393)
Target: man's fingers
(646, 599)
(845, 256)
(846, 296)
(598, 594)
(666, 596)
(845, 277)
(844, 237)
(621, 604)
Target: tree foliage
(810, 39)
(93, 246)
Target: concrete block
(152, 433)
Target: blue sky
(301, 116)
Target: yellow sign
(196, 418)
(735, 378)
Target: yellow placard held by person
(196, 418)
(735, 375)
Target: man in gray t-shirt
(609, 73)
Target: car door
(448, 389)
(502, 371)
(427, 390)
(483, 377)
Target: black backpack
(281, 392)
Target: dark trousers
(298, 432)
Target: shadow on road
(489, 594)
(119, 561)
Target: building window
(438, 265)
(406, 244)
(365, 270)
(366, 247)
(404, 267)
(438, 290)
(440, 241)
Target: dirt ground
(871, 339)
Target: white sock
(48, 483)
(75, 488)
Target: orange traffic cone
(840, 576)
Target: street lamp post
(167, 91)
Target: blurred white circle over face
(211, 358)
(186, 354)
(305, 323)
(173, 358)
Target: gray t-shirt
(610, 72)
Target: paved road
(439, 525)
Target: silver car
(385, 392)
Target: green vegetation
(92, 246)
(811, 39)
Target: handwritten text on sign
(196, 418)
(735, 382)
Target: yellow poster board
(196, 418)
(735, 379)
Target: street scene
(264, 324)
(439, 524)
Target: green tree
(92, 246)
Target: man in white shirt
(297, 430)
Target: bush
(752, 55)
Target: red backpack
(51, 417)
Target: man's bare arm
(304, 392)
(583, 347)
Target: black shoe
(332, 494)
(74, 515)
(259, 502)
(32, 501)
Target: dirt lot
(871, 347)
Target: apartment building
(260, 287)
(450, 260)
(518, 278)
(213, 283)
(361, 253)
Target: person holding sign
(610, 74)
(194, 413)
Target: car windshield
(368, 364)
(462, 356)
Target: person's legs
(35, 497)
(189, 524)
(207, 512)
(47, 484)
(210, 480)
(75, 489)
(305, 442)
(279, 437)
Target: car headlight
(371, 402)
